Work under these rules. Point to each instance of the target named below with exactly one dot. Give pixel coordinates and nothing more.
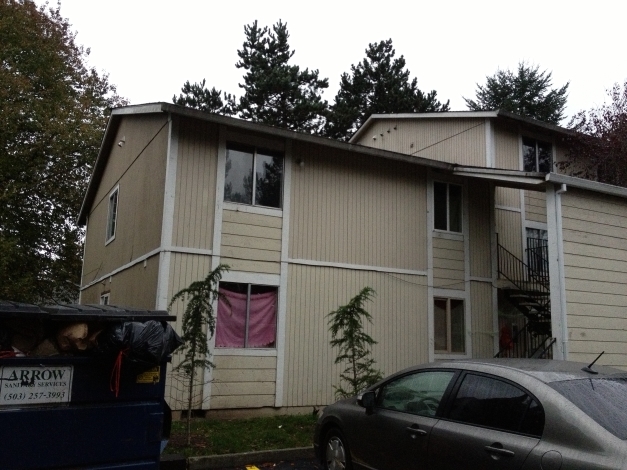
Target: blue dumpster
(78, 409)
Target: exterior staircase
(526, 286)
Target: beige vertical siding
(243, 382)
(509, 229)
(448, 140)
(449, 270)
(480, 210)
(482, 320)
(595, 263)
(535, 206)
(399, 314)
(139, 168)
(507, 197)
(194, 211)
(507, 146)
(184, 269)
(353, 209)
(251, 242)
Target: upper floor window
(253, 176)
(112, 218)
(447, 207)
(537, 155)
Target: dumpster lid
(75, 312)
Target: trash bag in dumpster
(145, 344)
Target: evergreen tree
(527, 93)
(598, 149)
(275, 92)
(347, 331)
(379, 84)
(54, 110)
(197, 96)
(198, 319)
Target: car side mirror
(367, 400)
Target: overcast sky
(149, 49)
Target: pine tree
(347, 332)
(275, 92)
(527, 93)
(378, 84)
(197, 96)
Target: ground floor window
(449, 328)
(246, 316)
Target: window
(246, 316)
(449, 330)
(418, 393)
(104, 299)
(447, 207)
(493, 403)
(112, 219)
(242, 163)
(538, 252)
(537, 156)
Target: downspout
(560, 260)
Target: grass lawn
(212, 437)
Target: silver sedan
(482, 414)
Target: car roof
(545, 370)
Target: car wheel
(336, 455)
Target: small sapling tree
(198, 320)
(346, 325)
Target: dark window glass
(529, 154)
(604, 400)
(418, 393)
(492, 403)
(440, 213)
(269, 174)
(458, 333)
(238, 180)
(242, 163)
(440, 325)
(455, 208)
(544, 157)
(537, 156)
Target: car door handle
(416, 430)
(493, 449)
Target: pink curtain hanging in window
(231, 320)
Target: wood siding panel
(507, 147)
(535, 206)
(449, 270)
(448, 140)
(509, 230)
(480, 229)
(357, 210)
(138, 167)
(243, 382)
(251, 242)
(184, 269)
(507, 197)
(595, 270)
(194, 210)
(482, 315)
(399, 314)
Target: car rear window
(604, 400)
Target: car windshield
(604, 400)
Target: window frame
(255, 150)
(268, 350)
(112, 215)
(105, 299)
(536, 143)
(448, 207)
(449, 334)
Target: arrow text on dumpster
(34, 385)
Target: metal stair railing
(520, 274)
(529, 341)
